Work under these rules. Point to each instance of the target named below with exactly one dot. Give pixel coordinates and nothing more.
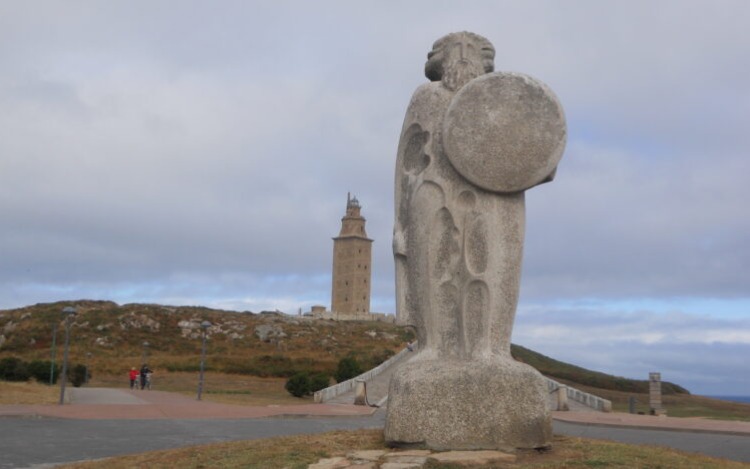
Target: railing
(589, 400)
(345, 386)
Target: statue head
(457, 58)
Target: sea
(742, 399)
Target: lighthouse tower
(352, 262)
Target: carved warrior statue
(472, 142)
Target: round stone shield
(504, 132)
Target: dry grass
(218, 387)
(28, 393)
(298, 451)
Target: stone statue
(472, 142)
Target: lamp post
(145, 353)
(88, 361)
(204, 326)
(53, 352)
(68, 312)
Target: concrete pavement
(107, 422)
(122, 404)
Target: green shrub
(14, 369)
(348, 368)
(78, 375)
(319, 381)
(298, 385)
(39, 370)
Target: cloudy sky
(200, 153)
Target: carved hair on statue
(475, 57)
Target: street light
(53, 352)
(145, 353)
(68, 312)
(88, 360)
(204, 325)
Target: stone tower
(352, 262)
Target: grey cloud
(195, 154)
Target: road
(41, 442)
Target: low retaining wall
(329, 393)
(589, 400)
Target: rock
(372, 334)
(412, 458)
(412, 452)
(266, 332)
(138, 321)
(473, 458)
(10, 326)
(102, 342)
(330, 463)
(366, 455)
(401, 465)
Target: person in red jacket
(133, 378)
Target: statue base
(468, 405)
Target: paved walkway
(649, 422)
(105, 403)
(103, 422)
(118, 404)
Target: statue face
(459, 57)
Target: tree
(78, 375)
(348, 368)
(39, 369)
(14, 369)
(299, 384)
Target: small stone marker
(562, 398)
(360, 392)
(654, 394)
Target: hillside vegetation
(265, 344)
(575, 374)
(269, 344)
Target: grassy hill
(575, 374)
(265, 344)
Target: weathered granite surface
(472, 142)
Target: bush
(298, 385)
(39, 370)
(319, 381)
(348, 368)
(14, 369)
(304, 384)
(78, 375)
